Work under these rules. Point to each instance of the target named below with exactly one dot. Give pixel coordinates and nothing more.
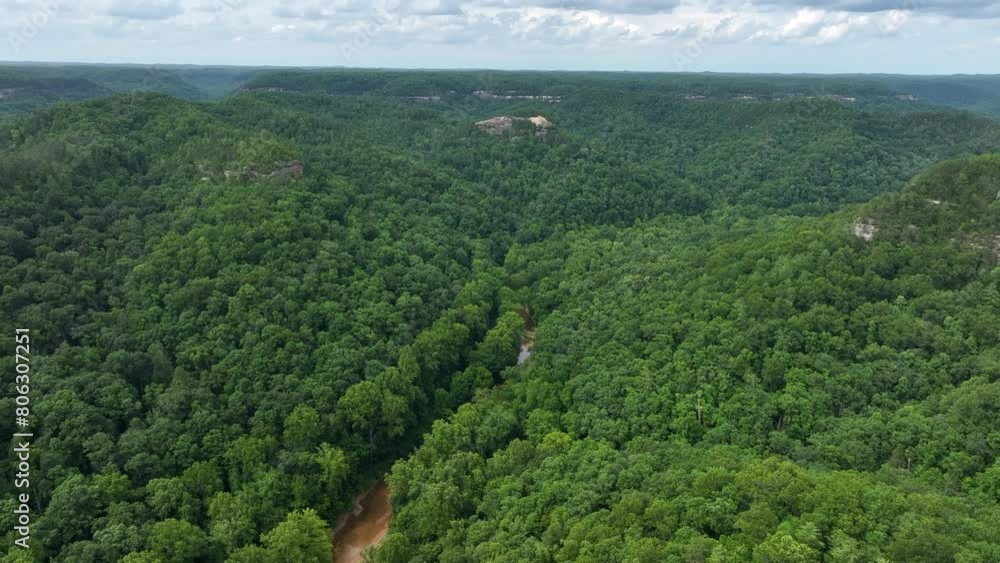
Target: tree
(303, 537)
(302, 429)
(783, 548)
(177, 541)
(500, 347)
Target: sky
(787, 36)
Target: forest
(762, 314)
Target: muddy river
(365, 526)
(368, 523)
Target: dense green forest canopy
(765, 317)
(972, 92)
(978, 93)
(25, 87)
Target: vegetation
(244, 311)
(24, 88)
(784, 391)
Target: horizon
(30, 63)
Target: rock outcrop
(510, 95)
(865, 229)
(287, 169)
(953, 202)
(502, 124)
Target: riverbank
(365, 526)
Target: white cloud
(515, 33)
(893, 21)
(810, 26)
(967, 9)
(804, 22)
(707, 27)
(833, 32)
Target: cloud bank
(509, 33)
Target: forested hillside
(723, 389)
(971, 92)
(27, 87)
(24, 87)
(765, 319)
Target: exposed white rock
(865, 229)
(496, 125)
(539, 121)
(511, 95)
(503, 123)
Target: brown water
(365, 526)
(368, 523)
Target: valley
(292, 314)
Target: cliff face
(501, 124)
(496, 125)
(956, 200)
